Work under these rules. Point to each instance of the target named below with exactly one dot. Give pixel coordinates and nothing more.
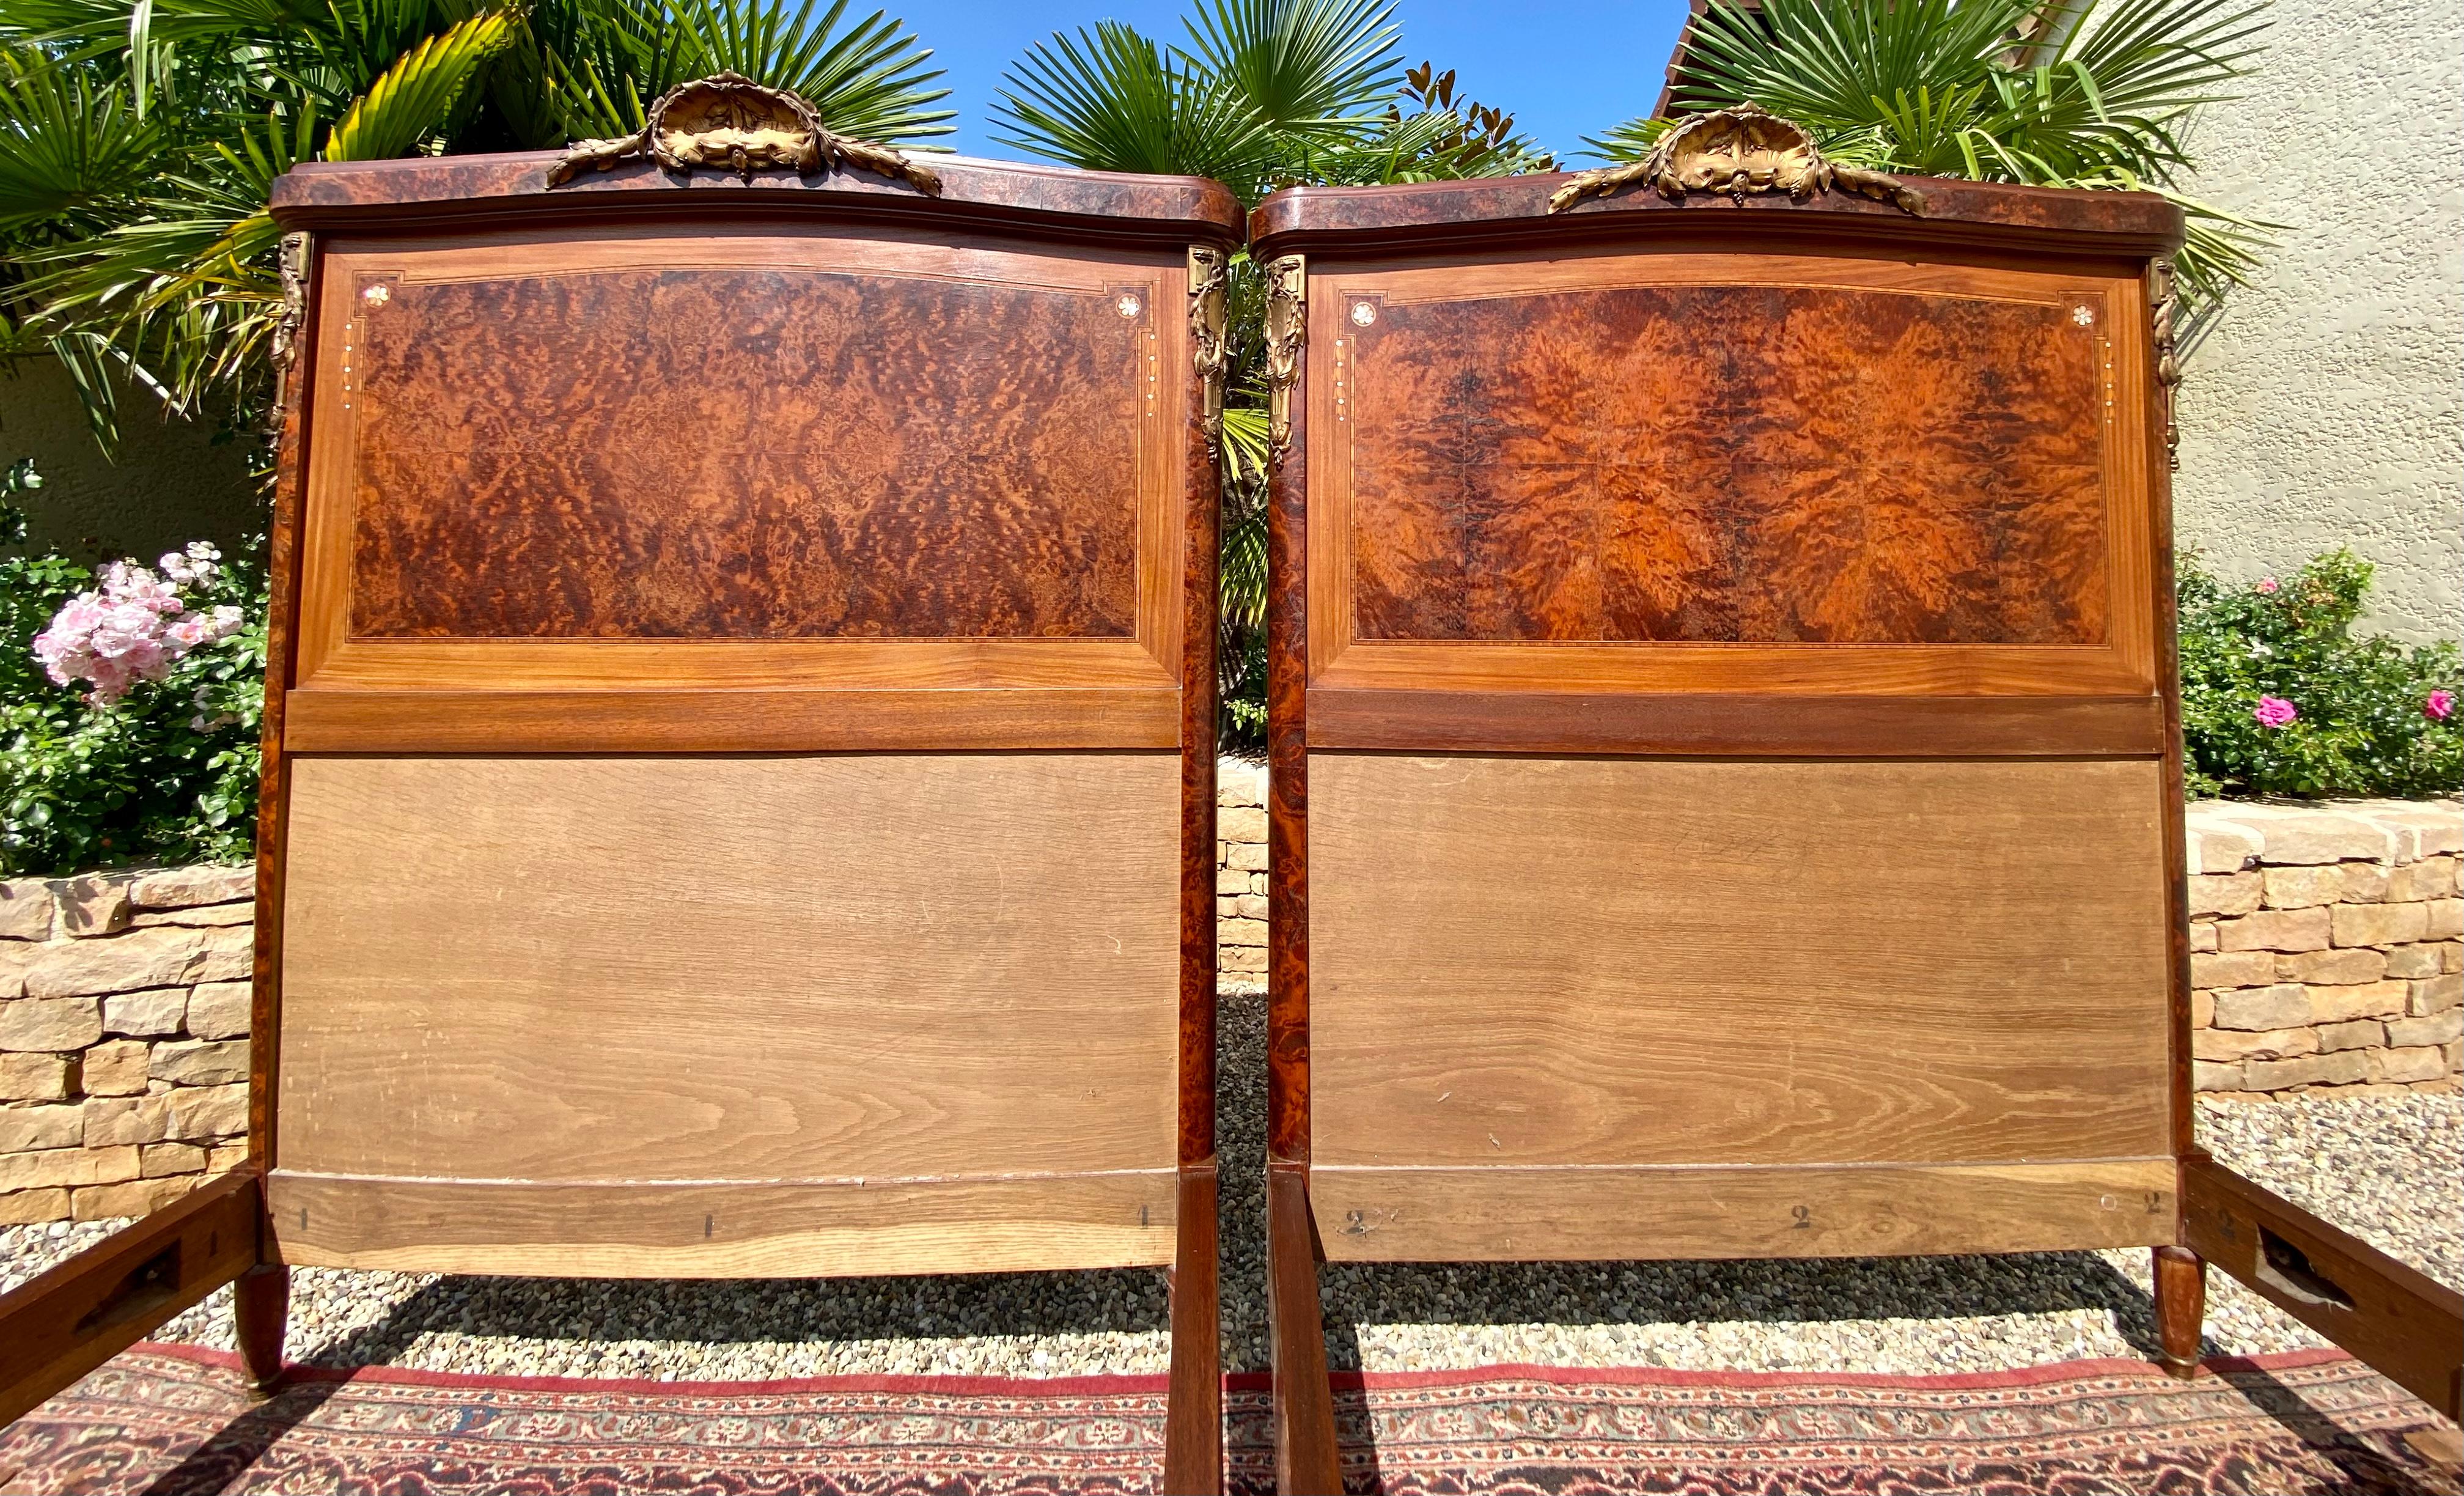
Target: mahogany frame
(1327, 690)
(1157, 691)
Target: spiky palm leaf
(1113, 101)
(2074, 93)
(138, 139)
(1304, 66)
(70, 143)
(412, 101)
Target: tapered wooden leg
(1304, 1410)
(2181, 1308)
(261, 1303)
(1193, 1424)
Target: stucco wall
(170, 485)
(2325, 405)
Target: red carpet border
(166, 1420)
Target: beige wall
(2324, 406)
(170, 485)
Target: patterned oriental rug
(171, 1420)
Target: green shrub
(166, 774)
(2279, 698)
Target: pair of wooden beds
(740, 789)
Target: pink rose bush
(137, 625)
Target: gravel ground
(2387, 1168)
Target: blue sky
(1562, 68)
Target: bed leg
(1193, 1449)
(261, 1304)
(2181, 1308)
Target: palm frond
(868, 80)
(1113, 102)
(1300, 65)
(69, 141)
(411, 100)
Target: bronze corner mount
(292, 261)
(1287, 330)
(1210, 282)
(1735, 153)
(2165, 307)
(729, 122)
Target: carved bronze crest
(729, 122)
(1731, 153)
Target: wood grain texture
(1193, 1438)
(1201, 605)
(1802, 726)
(66, 1322)
(1604, 961)
(1740, 464)
(2156, 464)
(1630, 568)
(260, 1314)
(2404, 1324)
(1304, 1406)
(284, 543)
(1443, 217)
(725, 1229)
(325, 719)
(2181, 1279)
(754, 454)
(1597, 1214)
(1287, 760)
(1106, 207)
(638, 970)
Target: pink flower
(2274, 712)
(2264, 585)
(135, 626)
(2439, 705)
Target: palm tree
(139, 137)
(1263, 94)
(2055, 93)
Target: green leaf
(411, 100)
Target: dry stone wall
(2327, 953)
(123, 1038)
(2326, 946)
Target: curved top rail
(415, 191)
(1501, 211)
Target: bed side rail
(2406, 1326)
(76, 1316)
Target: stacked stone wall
(123, 1038)
(2326, 946)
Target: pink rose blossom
(2265, 585)
(135, 626)
(2439, 705)
(2274, 712)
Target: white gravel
(2387, 1168)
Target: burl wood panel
(1599, 961)
(763, 452)
(1733, 463)
(887, 966)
